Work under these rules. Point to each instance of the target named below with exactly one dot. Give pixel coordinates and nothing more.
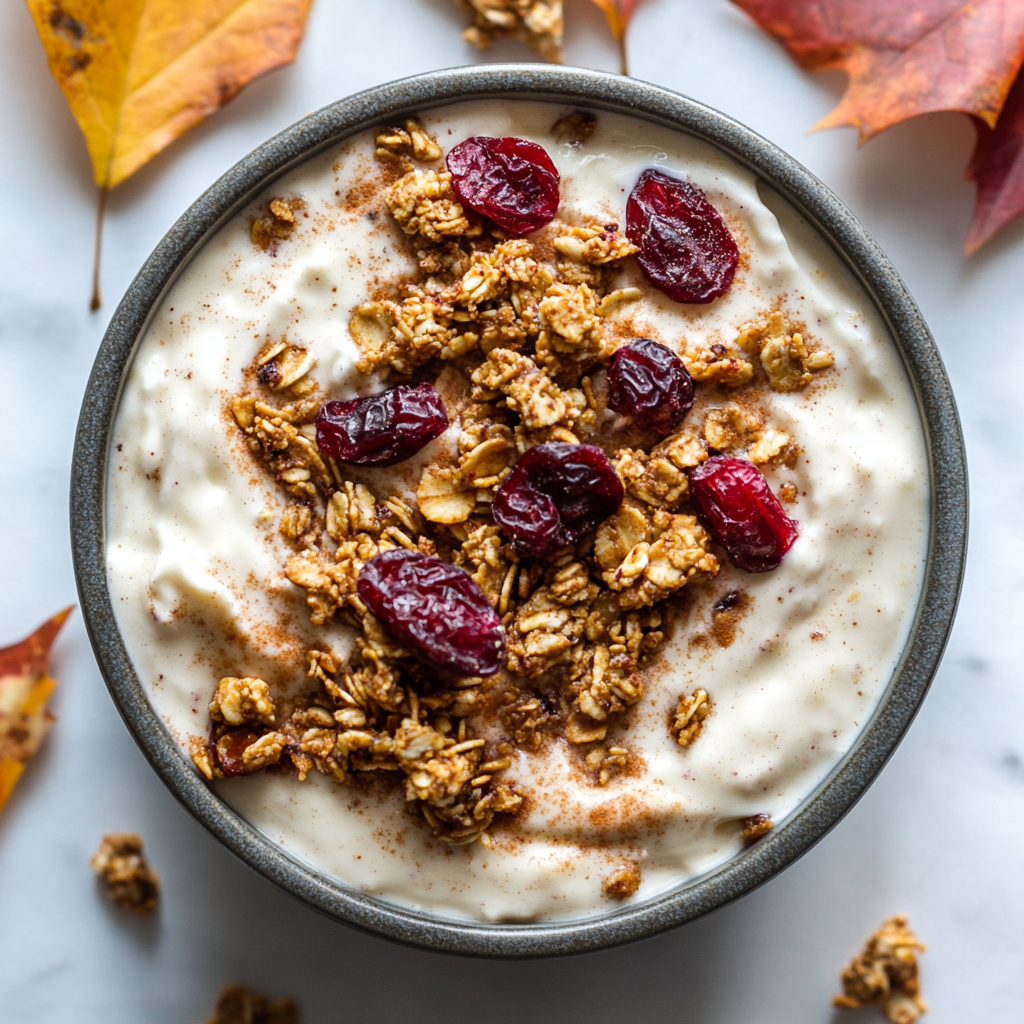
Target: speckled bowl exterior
(904, 694)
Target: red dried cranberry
(230, 748)
(648, 381)
(510, 180)
(741, 513)
(686, 250)
(434, 610)
(556, 493)
(382, 429)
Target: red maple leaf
(909, 59)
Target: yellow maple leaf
(618, 13)
(139, 73)
(25, 688)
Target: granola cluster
(278, 223)
(124, 873)
(538, 23)
(237, 1005)
(885, 972)
(520, 330)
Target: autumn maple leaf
(906, 59)
(618, 13)
(137, 74)
(25, 688)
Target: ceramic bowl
(904, 693)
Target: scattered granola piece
(574, 129)
(596, 244)
(538, 23)
(127, 878)
(237, 1005)
(755, 826)
(278, 225)
(615, 300)
(607, 762)
(717, 364)
(242, 701)
(25, 688)
(773, 444)
(886, 972)
(395, 144)
(623, 883)
(690, 715)
(784, 355)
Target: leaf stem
(623, 57)
(101, 208)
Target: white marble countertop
(939, 836)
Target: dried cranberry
(434, 610)
(382, 429)
(742, 513)
(648, 381)
(554, 494)
(230, 748)
(686, 250)
(510, 180)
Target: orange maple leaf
(903, 59)
(618, 13)
(24, 690)
(137, 74)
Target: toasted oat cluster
(237, 1005)
(690, 715)
(538, 23)
(520, 331)
(126, 876)
(885, 972)
(278, 223)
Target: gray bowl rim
(570, 87)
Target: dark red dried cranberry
(510, 180)
(686, 249)
(382, 429)
(556, 493)
(434, 610)
(648, 381)
(741, 513)
(230, 748)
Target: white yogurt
(196, 563)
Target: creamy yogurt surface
(196, 560)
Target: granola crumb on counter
(622, 883)
(756, 826)
(690, 715)
(237, 1005)
(127, 878)
(885, 972)
(538, 23)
